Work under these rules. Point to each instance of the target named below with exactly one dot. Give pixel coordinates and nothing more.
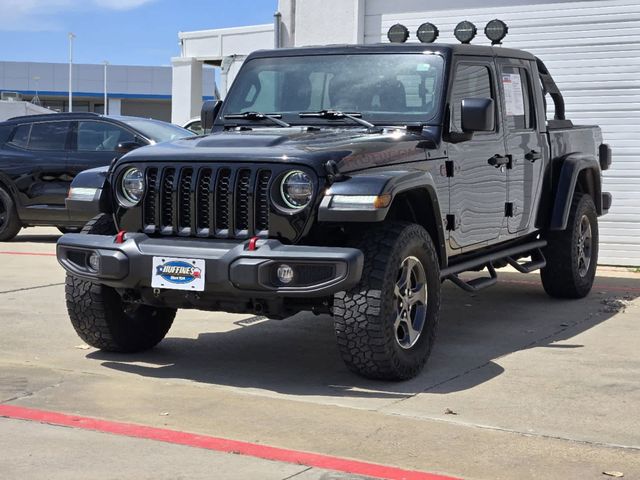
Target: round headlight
(133, 185)
(296, 189)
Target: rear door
(94, 144)
(43, 181)
(524, 143)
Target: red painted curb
(35, 254)
(325, 462)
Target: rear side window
(20, 136)
(49, 136)
(517, 98)
(471, 81)
(101, 136)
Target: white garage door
(592, 49)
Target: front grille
(223, 202)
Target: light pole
(106, 99)
(71, 37)
(36, 100)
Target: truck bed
(584, 139)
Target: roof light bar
(495, 31)
(398, 33)
(428, 33)
(465, 32)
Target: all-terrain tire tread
(363, 339)
(96, 311)
(559, 277)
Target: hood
(351, 148)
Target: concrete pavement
(533, 387)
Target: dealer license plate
(178, 274)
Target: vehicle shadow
(35, 238)
(298, 356)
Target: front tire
(386, 325)
(100, 317)
(572, 254)
(10, 224)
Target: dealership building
(131, 90)
(592, 49)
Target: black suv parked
(349, 180)
(41, 154)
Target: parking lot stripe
(35, 254)
(325, 462)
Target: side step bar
(537, 262)
(476, 284)
(486, 261)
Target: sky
(122, 32)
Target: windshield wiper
(337, 115)
(257, 116)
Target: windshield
(384, 88)
(156, 130)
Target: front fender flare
(391, 183)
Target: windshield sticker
(423, 67)
(513, 94)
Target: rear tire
(572, 254)
(103, 320)
(10, 224)
(386, 325)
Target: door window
(21, 136)
(101, 136)
(517, 98)
(49, 136)
(471, 81)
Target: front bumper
(231, 268)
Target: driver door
(478, 189)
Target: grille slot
(262, 201)
(243, 197)
(184, 198)
(166, 200)
(203, 201)
(224, 202)
(150, 210)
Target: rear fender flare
(573, 166)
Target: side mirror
(478, 115)
(208, 114)
(126, 147)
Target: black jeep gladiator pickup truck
(351, 181)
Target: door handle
(533, 155)
(500, 160)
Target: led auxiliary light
(428, 33)
(495, 31)
(465, 32)
(398, 33)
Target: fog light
(285, 274)
(94, 262)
